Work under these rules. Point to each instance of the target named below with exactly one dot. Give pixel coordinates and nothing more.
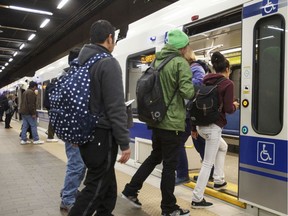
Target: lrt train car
(252, 34)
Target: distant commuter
(216, 147)
(10, 111)
(107, 98)
(29, 114)
(75, 168)
(166, 136)
(3, 105)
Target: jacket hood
(211, 78)
(166, 51)
(89, 50)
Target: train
(252, 34)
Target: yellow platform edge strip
(220, 195)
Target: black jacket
(107, 95)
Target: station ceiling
(26, 46)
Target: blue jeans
(75, 172)
(26, 121)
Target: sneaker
(132, 199)
(178, 212)
(183, 180)
(202, 204)
(65, 207)
(220, 186)
(211, 179)
(38, 142)
(52, 140)
(23, 142)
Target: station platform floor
(31, 177)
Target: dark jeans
(199, 143)
(50, 131)
(182, 166)
(100, 192)
(165, 146)
(8, 119)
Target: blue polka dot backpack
(69, 104)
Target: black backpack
(204, 108)
(150, 99)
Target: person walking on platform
(166, 136)
(216, 147)
(75, 168)
(29, 114)
(107, 98)
(182, 174)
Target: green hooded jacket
(175, 74)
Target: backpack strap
(161, 65)
(164, 62)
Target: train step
(228, 195)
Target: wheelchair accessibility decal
(266, 153)
(269, 6)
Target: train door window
(268, 75)
(136, 64)
(45, 83)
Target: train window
(136, 64)
(45, 83)
(268, 75)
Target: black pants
(8, 119)
(165, 146)
(50, 131)
(100, 192)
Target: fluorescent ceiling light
(44, 23)
(0, 71)
(30, 10)
(22, 45)
(62, 3)
(3, 67)
(15, 54)
(6, 64)
(31, 37)
(231, 50)
(11, 59)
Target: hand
(194, 134)
(236, 104)
(125, 156)
(34, 116)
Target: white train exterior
(252, 34)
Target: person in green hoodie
(166, 136)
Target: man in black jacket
(107, 99)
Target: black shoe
(132, 199)
(211, 179)
(183, 180)
(220, 186)
(178, 212)
(202, 204)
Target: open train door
(263, 130)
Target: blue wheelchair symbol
(269, 6)
(266, 153)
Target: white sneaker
(52, 140)
(38, 142)
(23, 142)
